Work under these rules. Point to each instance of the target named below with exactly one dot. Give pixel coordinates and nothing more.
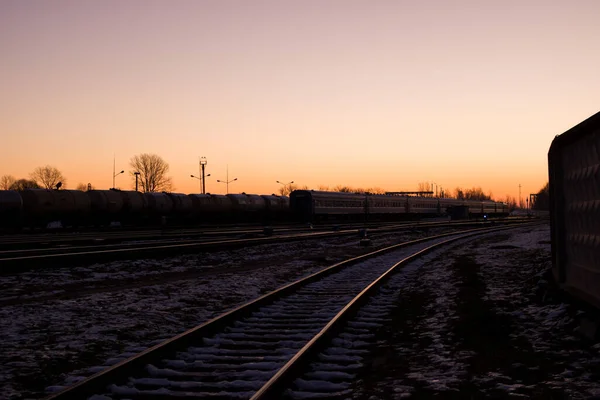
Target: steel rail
(297, 364)
(122, 371)
(107, 236)
(13, 261)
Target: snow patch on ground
(61, 325)
(479, 322)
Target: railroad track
(56, 239)
(262, 349)
(24, 241)
(23, 259)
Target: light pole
(284, 186)
(137, 174)
(201, 181)
(115, 175)
(227, 182)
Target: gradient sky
(360, 93)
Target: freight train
(37, 208)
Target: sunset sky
(361, 93)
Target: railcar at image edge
(574, 185)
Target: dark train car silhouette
(574, 178)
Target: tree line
(47, 177)
(151, 174)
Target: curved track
(256, 349)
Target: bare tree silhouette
(511, 202)
(153, 173)
(476, 193)
(285, 190)
(48, 176)
(342, 188)
(6, 182)
(22, 184)
(424, 187)
(375, 190)
(459, 194)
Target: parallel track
(257, 349)
(19, 260)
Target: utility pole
(520, 202)
(137, 174)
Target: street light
(115, 175)
(284, 191)
(137, 174)
(227, 182)
(201, 182)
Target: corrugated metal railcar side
(574, 178)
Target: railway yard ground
(479, 320)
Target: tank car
(42, 206)
(106, 206)
(182, 207)
(11, 210)
(73, 207)
(248, 207)
(39, 207)
(211, 207)
(276, 207)
(135, 207)
(160, 206)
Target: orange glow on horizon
(335, 93)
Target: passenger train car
(316, 205)
(36, 208)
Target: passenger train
(37, 208)
(317, 205)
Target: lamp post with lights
(227, 181)
(114, 176)
(285, 185)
